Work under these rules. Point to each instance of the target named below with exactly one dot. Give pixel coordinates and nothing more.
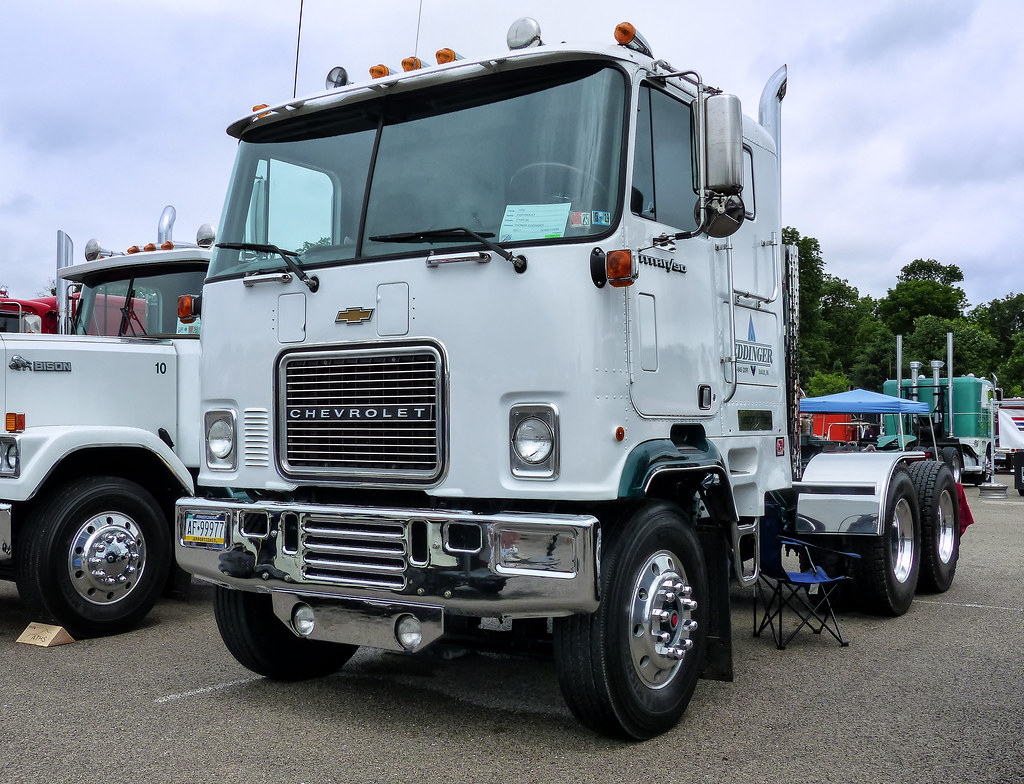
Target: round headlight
(219, 439)
(533, 440)
(11, 456)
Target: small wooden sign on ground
(45, 635)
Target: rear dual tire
(887, 572)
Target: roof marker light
(258, 110)
(149, 247)
(412, 64)
(627, 35)
(337, 77)
(380, 70)
(446, 55)
(133, 249)
(524, 33)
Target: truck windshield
(520, 157)
(139, 305)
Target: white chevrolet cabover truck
(101, 436)
(502, 349)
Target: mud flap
(718, 653)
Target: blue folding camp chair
(805, 593)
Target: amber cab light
(14, 423)
(188, 308)
(626, 35)
(446, 55)
(149, 247)
(168, 245)
(133, 249)
(379, 71)
(412, 64)
(621, 268)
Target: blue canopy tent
(861, 401)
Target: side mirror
(723, 129)
(723, 132)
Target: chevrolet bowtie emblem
(354, 315)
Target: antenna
(416, 47)
(298, 40)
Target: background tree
(924, 287)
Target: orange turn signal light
(187, 309)
(14, 423)
(621, 268)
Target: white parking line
(973, 606)
(206, 690)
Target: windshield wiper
(456, 234)
(288, 256)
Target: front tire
(887, 572)
(630, 669)
(261, 643)
(94, 556)
(940, 524)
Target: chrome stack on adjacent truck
(498, 343)
(101, 436)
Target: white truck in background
(101, 435)
(505, 348)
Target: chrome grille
(369, 414)
(354, 552)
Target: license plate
(205, 528)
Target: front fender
(652, 461)
(43, 449)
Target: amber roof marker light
(627, 35)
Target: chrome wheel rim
(107, 558)
(660, 620)
(901, 540)
(944, 527)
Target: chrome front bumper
(6, 551)
(361, 568)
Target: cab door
(674, 355)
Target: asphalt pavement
(936, 695)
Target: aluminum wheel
(660, 620)
(106, 558)
(901, 540)
(946, 521)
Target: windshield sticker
(579, 220)
(601, 218)
(533, 222)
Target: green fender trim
(650, 457)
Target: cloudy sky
(900, 126)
